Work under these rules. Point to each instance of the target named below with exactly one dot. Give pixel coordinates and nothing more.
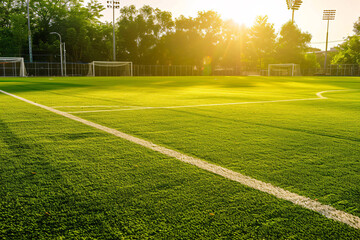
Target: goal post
(110, 68)
(12, 67)
(288, 69)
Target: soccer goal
(111, 68)
(12, 67)
(289, 69)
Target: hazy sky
(309, 17)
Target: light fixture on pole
(328, 15)
(61, 55)
(114, 5)
(293, 5)
(29, 32)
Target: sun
(245, 12)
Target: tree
(349, 51)
(13, 33)
(209, 27)
(75, 22)
(233, 46)
(292, 45)
(146, 36)
(80, 28)
(262, 42)
(140, 31)
(183, 46)
(357, 27)
(195, 41)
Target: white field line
(327, 211)
(319, 94)
(94, 106)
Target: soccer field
(63, 178)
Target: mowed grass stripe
(319, 94)
(305, 202)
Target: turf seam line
(305, 202)
(319, 94)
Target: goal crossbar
(109, 64)
(286, 69)
(12, 60)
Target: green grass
(60, 178)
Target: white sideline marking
(95, 106)
(319, 94)
(327, 211)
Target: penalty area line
(94, 106)
(201, 105)
(305, 202)
(319, 97)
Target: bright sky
(309, 17)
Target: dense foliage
(349, 51)
(146, 36)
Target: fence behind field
(344, 70)
(334, 70)
(39, 69)
(42, 69)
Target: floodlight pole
(327, 15)
(61, 55)
(327, 42)
(293, 5)
(114, 46)
(29, 32)
(113, 4)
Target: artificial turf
(61, 179)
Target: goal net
(289, 69)
(111, 68)
(12, 67)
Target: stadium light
(61, 55)
(293, 5)
(328, 15)
(114, 5)
(29, 31)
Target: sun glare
(245, 12)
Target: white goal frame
(295, 69)
(9, 60)
(114, 64)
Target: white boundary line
(319, 94)
(94, 106)
(327, 211)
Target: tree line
(151, 36)
(349, 50)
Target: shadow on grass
(12, 141)
(20, 150)
(33, 189)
